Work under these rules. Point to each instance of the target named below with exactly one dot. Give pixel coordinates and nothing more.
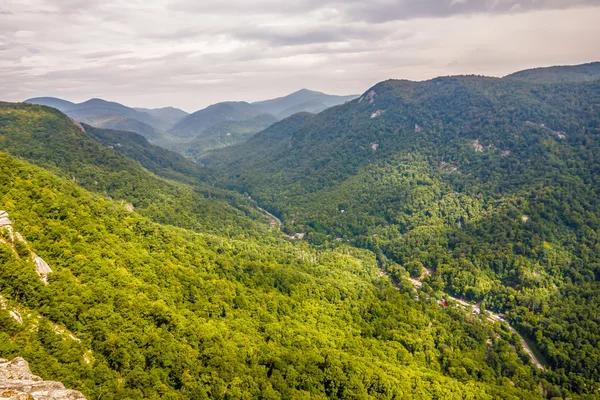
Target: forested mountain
(59, 104)
(224, 124)
(485, 188)
(301, 101)
(219, 125)
(48, 138)
(156, 159)
(195, 123)
(137, 308)
(107, 114)
(126, 124)
(412, 198)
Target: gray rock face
(17, 382)
(4, 221)
(41, 267)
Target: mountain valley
(435, 240)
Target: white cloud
(190, 54)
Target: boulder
(17, 382)
(4, 221)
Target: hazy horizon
(178, 53)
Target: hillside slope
(108, 114)
(156, 159)
(50, 139)
(491, 185)
(240, 118)
(156, 311)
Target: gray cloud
(384, 11)
(189, 54)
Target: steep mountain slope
(490, 185)
(571, 73)
(161, 161)
(264, 146)
(126, 124)
(156, 311)
(302, 100)
(50, 139)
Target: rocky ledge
(17, 382)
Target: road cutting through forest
(475, 308)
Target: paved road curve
(493, 317)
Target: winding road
(492, 317)
(268, 214)
(476, 308)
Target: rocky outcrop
(370, 97)
(41, 267)
(77, 125)
(17, 382)
(5, 223)
(479, 148)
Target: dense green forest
(169, 283)
(48, 138)
(163, 312)
(490, 184)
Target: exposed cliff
(17, 382)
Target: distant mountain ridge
(303, 100)
(195, 123)
(218, 125)
(111, 115)
(171, 115)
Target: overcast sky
(191, 53)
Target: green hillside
(397, 208)
(490, 184)
(161, 312)
(156, 159)
(51, 140)
(111, 115)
